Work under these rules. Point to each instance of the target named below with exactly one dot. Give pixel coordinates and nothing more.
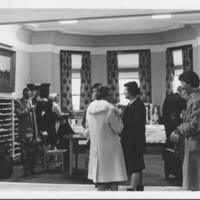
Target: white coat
(106, 160)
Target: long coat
(133, 136)
(190, 129)
(106, 163)
(173, 104)
(25, 118)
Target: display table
(155, 133)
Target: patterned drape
(85, 80)
(170, 71)
(112, 74)
(145, 75)
(187, 58)
(66, 77)
(187, 54)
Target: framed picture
(7, 70)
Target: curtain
(145, 75)
(112, 75)
(85, 80)
(170, 71)
(187, 58)
(187, 54)
(66, 77)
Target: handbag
(175, 137)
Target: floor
(45, 182)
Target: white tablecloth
(155, 134)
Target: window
(177, 57)
(178, 67)
(76, 80)
(128, 64)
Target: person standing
(29, 150)
(94, 91)
(133, 135)
(49, 123)
(174, 104)
(24, 112)
(106, 160)
(190, 130)
(54, 97)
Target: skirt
(134, 163)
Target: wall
(98, 69)
(98, 46)
(9, 35)
(38, 59)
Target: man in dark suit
(173, 106)
(24, 111)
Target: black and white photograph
(99, 99)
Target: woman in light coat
(190, 129)
(106, 163)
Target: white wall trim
(100, 50)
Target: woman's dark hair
(96, 85)
(191, 78)
(132, 88)
(102, 92)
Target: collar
(132, 101)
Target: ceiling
(98, 22)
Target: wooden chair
(52, 157)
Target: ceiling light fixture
(161, 16)
(68, 22)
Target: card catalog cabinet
(9, 126)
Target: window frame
(128, 69)
(176, 67)
(75, 70)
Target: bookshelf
(9, 127)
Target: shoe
(130, 189)
(140, 188)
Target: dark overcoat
(133, 134)
(173, 106)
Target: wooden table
(73, 138)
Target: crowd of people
(117, 137)
(41, 125)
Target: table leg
(76, 155)
(70, 157)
